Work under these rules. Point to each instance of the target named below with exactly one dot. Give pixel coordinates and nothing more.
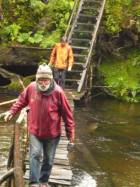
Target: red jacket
(45, 111)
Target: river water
(107, 145)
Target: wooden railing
(16, 171)
(74, 11)
(73, 21)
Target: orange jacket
(61, 56)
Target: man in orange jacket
(61, 60)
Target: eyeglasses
(44, 81)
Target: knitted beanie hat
(44, 71)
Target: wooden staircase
(81, 34)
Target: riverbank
(120, 75)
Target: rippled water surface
(6, 134)
(107, 148)
(108, 142)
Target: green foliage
(26, 38)
(42, 61)
(34, 22)
(12, 31)
(37, 6)
(23, 37)
(28, 79)
(50, 40)
(15, 86)
(118, 14)
(121, 76)
(136, 61)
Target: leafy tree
(119, 14)
(32, 22)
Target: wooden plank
(62, 146)
(62, 182)
(62, 174)
(58, 167)
(60, 161)
(60, 156)
(53, 179)
(61, 151)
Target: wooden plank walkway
(61, 174)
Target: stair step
(90, 5)
(91, 8)
(75, 71)
(79, 55)
(84, 42)
(84, 18)
(78, 47)
(93, 12)
(81, 35)
(72, 80)
(94, 2)
(79, 63)
(81, 31)
(83, 39)
(86, 24)
(86, 15)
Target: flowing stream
(107, 145)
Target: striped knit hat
(44, 71)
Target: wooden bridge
(81, 34)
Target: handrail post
(18, 172)
(71, 18)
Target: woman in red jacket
(47, 104)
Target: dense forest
(41, 23)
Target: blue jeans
(42, 152)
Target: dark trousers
(59, 76)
